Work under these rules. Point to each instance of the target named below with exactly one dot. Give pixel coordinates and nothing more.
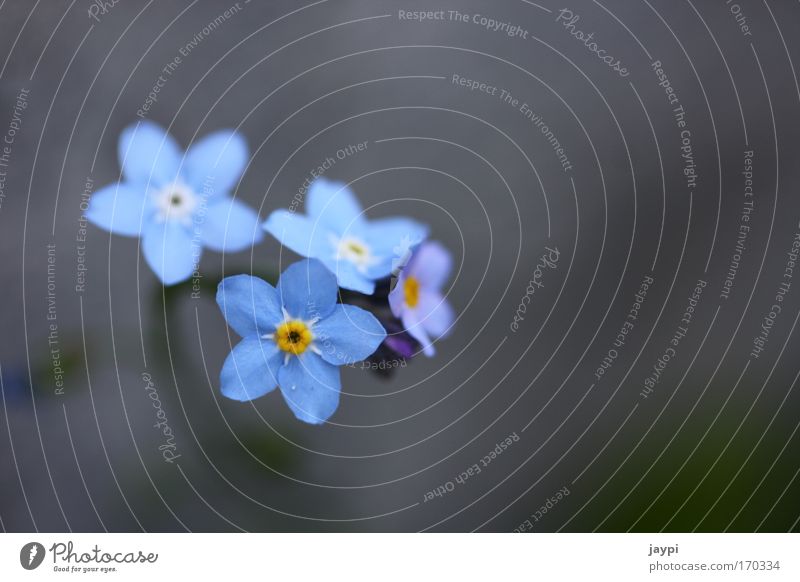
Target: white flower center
(354, 250)
(176, 202)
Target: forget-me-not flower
(417, 297)
(294, 335)
(177, 202)
(336, 232)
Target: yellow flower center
(411, 291)
(356, 248)
(293, 337)
(355, 251)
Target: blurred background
(648, 149)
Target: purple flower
(417, 297)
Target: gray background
(713, 448)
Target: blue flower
(417, 297)
(294, 335)
(177, 202)
(336, 232)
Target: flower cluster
(364, 255)
(296, 334)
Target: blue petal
(395, 236)
(391, 240)
(309, 239)
(148, 154)
(249, 305)
(120, 208)
(308, 290)
(348, 335)
(250, 370)
(228, 225)
(431, 265)
(334, 205)
(349, 277)
(311, 387)
(297, 232)
(170, 251)
(216, 161)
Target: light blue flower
(294, 335)
(177, 203)
(336, 232)
(417, 297)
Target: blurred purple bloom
(417, 297)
